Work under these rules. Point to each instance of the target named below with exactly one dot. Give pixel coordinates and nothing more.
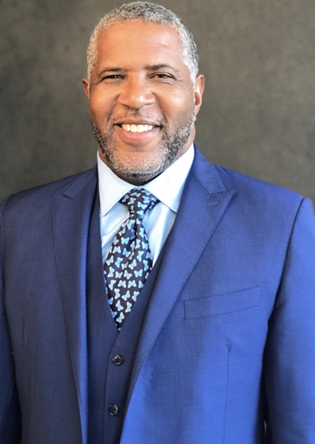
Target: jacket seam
(2, 279)
(287, 250)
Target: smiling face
(142, 102)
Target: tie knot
(139, 201)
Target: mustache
(137, 114)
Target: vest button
(117, 359)
(113, 409)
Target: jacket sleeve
(10, 422)
(289, 370)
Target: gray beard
(171, 144)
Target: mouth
(137, 133)
(132, 128)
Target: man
(157, 298)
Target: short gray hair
(149, 12)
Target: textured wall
(258, 115)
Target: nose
(136, 93)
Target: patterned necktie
(129, 260)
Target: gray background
(259, 104)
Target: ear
(198, 91)
(86, 88)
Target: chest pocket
(222, 304)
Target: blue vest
(110, 354)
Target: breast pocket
(222, 304)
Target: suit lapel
(72, 211)
(203, 204)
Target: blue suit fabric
(108, 383)
(227, 335)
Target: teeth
(136, 128)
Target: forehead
(137, 41)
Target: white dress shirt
(167, 187)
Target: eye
(112, 77)
(163, 75)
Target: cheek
(100, 106)
(180, 107)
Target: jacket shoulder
(258, 192)
(37, 198)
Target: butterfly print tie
(129, 261)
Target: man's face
(142, 101)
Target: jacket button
(113, 409)
(117, 359)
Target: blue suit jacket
(228, 340)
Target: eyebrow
(161, 66)
(148, 67)
(110, 69)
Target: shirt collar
(167, 187)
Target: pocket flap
(222, 304)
